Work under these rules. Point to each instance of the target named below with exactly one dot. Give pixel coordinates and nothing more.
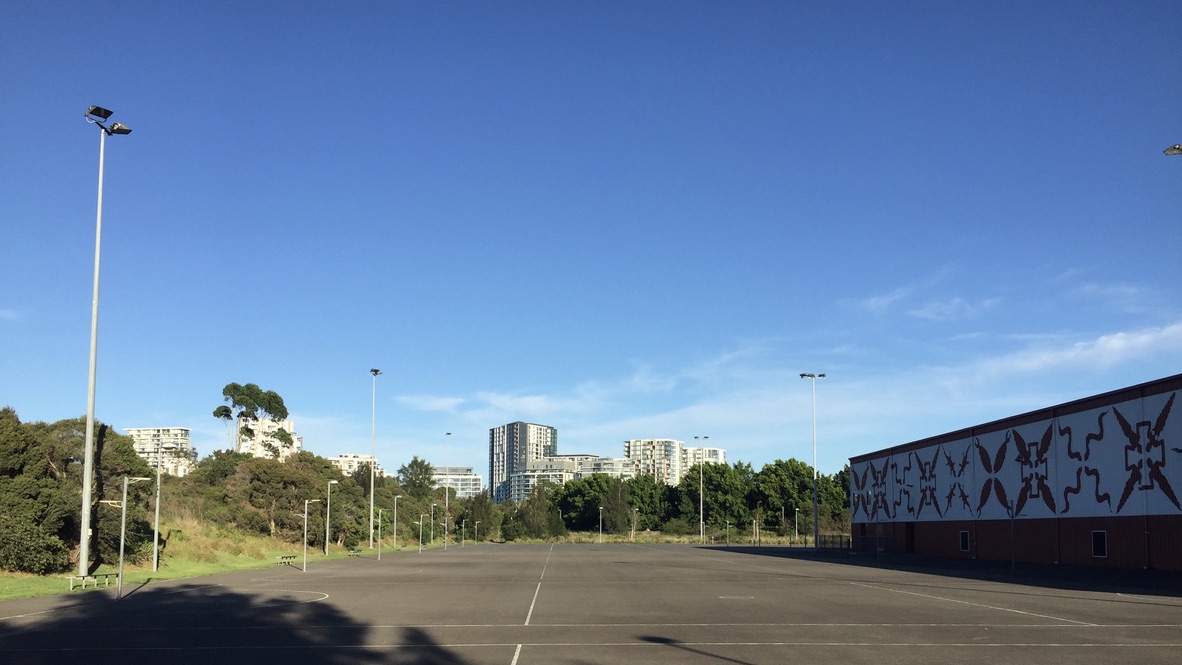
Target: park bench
(81, 580)
(286, 559)
(353, 551)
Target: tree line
(40, 497)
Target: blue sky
(625, 220)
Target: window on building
(1100, 544)
(964, 541)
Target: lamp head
(98, 112)
(1175, 149)
(120, 128)
(375, 372)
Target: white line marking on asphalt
(965, 602)
(537, 590)
(516, 654)
(531, 605)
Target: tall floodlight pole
(96, 115)
(816, 527)
(328, 515)
(373, 451)
(446, 488)
(701, 487)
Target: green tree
(417, 477)
(247, 405)
(652, 500)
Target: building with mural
(1091, 482)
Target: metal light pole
(816, 527)
(156, 523)
(373, 454)
(601, 524)
(379, 534)
(701, 494)
(421, 516)
(96, 115)
(328, 515)
(463, 531)
(476, 531)
(395, 525)
(123, 534)
(433, 522)
(446, 489)
(796, 526)
(306, 502)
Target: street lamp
(635, 514)
(433, 522)
(701, 503)
(446, 491)
(96, 115)
(476, 531)
(328, 515)
(463, 531)
(379, 534)
(816, 527)
(123, 533)
(156, 524)
(373, 451)
(306, 502)
(601, 524)
(1175, 149)
(796, 526)
(395, 525)
(420, 523)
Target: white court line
(965, 602)
(516, 654)
(539, 589)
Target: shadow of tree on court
(1063, 577)
(195, 623)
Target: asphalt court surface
(583, 604)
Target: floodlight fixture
(98, 112)
(1175, 149)
(120, 128)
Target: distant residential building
(463, 479)
(668, 459)
(693, 456)
(660, 458)
(553, 470)
(264, 442)
(348, 463)
(511, 448)
(616, 467)
(166, 448)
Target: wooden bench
(284, 560)
(353, 551)
(81, 580)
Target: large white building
(510, 450)
(669, 459)
(166, 448)
(463, 479)
(348, 463)
(264, 442)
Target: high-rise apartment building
(463, 479)
(166, 448)
(510, 450)
(660, 458)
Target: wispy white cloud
(954, 309)
(9, 315)
(430, 402)
(881, 303)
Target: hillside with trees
(40, 500)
